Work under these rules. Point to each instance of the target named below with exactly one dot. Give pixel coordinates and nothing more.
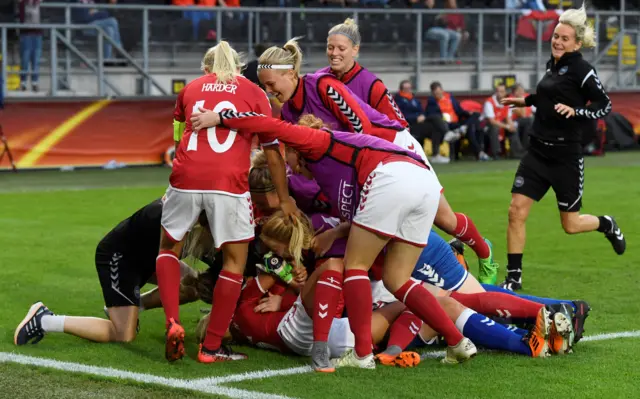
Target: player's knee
(570, 226)
(391, 282)
(126, 335)
(517, 212)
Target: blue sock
(537, 299)
(520, 331)
(487, 333)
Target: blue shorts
(438, 265)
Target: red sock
(168, 275)
(467, 232)
(357, 299)
(426, 306)
(225, 298)
(404, 329)
(499, 304)
(325, 303)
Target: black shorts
(120, 277)
(537, 173)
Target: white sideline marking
(604, 337)
(139, 377)
(211, 384)
(253, 375)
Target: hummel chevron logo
(114, 269)
(488, 322)
(618, 234)
(345, 109)
(323, 307)
(322, 314)
(395, 106)
(504, 313)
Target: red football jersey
(218, 159)
(260, 329)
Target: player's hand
(204, 118)
(271, 303)
(300, 275)
(322, 242)
(290, 210)
(513, 101)
(565, 110)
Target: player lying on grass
(290, 324)
(125, 261)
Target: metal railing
(55, 37)
(504, 53)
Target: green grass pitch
(50, 223)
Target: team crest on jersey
(563, 70)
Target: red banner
(59, 134)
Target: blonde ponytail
(349, 29)
(223, 61)
(577, 19)
(289, 55)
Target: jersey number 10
(216, 146)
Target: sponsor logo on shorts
(518, 182)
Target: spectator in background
(437, 30)
(251, 70)
(30, 43)
(444, 106)
(522, 117)
(196, 16)
(535, 5)
(422, 126)
(500, 124)
(99, 18)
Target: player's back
(215, 159)
(138, 235)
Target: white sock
(52, 323)
(462, 319)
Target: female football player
(212, 176)
(125, 261)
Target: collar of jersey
(351, 73)
(566, 59)
(297, 99)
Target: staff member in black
(555, 152)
